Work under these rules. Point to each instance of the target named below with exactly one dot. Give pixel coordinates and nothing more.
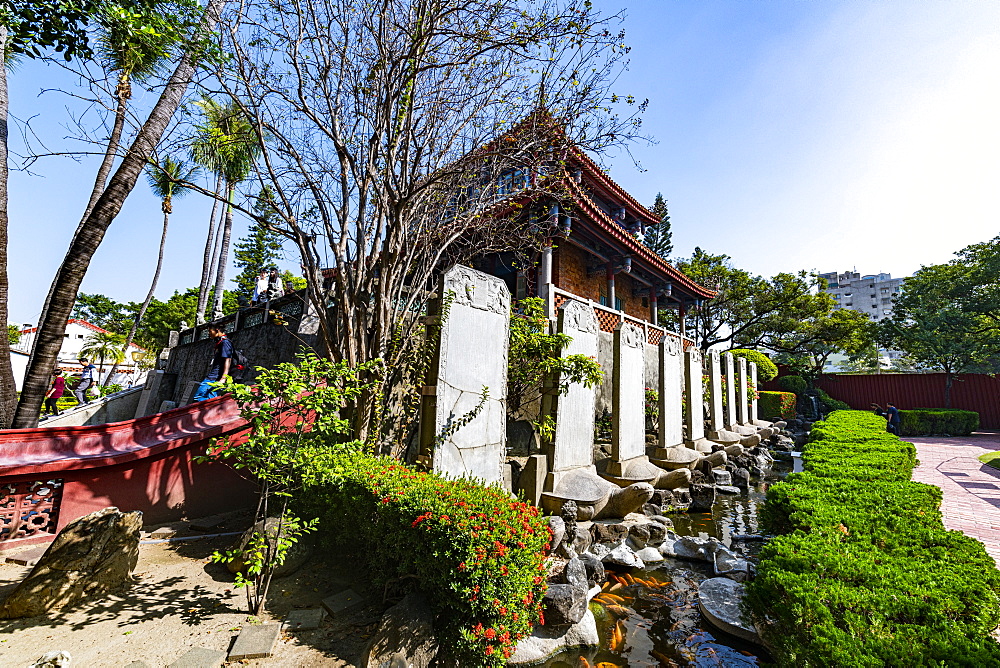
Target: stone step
(255, 641)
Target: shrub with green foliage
(477, 554)
(935, 421)
(864, 573)
(830, 404)
(794, 384)
(766, 369)
(776, 404)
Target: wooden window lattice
(29, 508)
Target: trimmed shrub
(794, 384)
(477, 554)
(766, 369)
(831, 404)
(776, 404)
(864, 573)
(932, 421)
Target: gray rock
(581, 540)
(200, 657)
(662, 497)
(600, 550)
(55, 659)
(564, 604)
(92, 556)
(741, 477)
(652, 510)
(558, 528)
(622, 556)
(727, 489)
(730, 565)
(650, 555)
(665, 521)
(545, 641)
(693, 548)
(575, 573)
(596, 575)
(723, 477)
(608, 532)
(702, 498)
(405, 636)
(297, 555)
(648, 534)
(719, 601)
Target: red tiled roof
(83, 323)
(604, 181)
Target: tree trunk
(208, 261)
(152, 288)
(8, 391)
(109, 155)
(227, 229)
(62, 296)
(949, 378)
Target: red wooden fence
(973, 392)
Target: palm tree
(165, 181)
(227, 144)
(8, 393)
(88, 236)
(104, 346)
(132, 44)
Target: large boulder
(702, 498)
(596, 574)
(297, 555)
(91, 556)
(546, 641)
(405, 636)
(564, 604)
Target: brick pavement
(970, 489)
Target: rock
(297, 555)
(558, 528)
(705, 469)
(741, 477)
(662, 497)
(717, 458)
(723, 477)
(575, 574)
(702, 498)
(696, 549)
(719, 601)
(596, 575)
(665, 521)
(546, 641)
(91, 556)
(682, 497)
(650, 555)
(651, 510)
(731, 566)
(581, 540)
(622, 556)
(521, 438)
(55, 659)
(652, 533)
(600, 550)
(608, 533)
(780, 424)
(727, 489)
(734, 451)
(405, 636)
(564, 604)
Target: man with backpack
(222, 359)
(86, 380)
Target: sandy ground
(181, 600)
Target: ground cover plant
(864, 573)
(937, 421)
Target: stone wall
(570, 273)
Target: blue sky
(788, 135)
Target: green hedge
(794, 384)
(474, 551)
(864, 573)
(930, 421)
(776, 404)
(766, 369)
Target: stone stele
(473, 356)
(91, 556)
(742, 408)
(729, 367)
(694, 412)
(671, 386)
(715, 393)
(753, 393)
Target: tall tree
(225, 143)
(91, 232)
(658, 238)
(102, 311)
(103, 346)
(937, 331)
(391, 126)
(164, 180)
(260, 249)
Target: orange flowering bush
(474, 551)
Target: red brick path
(970, 489)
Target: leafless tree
(400, 136)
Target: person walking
(55, 393)
(222, 358)
(86, 380)
(892, 415)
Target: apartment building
(868, 293)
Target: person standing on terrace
(222, 357)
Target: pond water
(650, 617)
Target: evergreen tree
(658, 238)
(257, 251)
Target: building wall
(871, 294)
(570, 274)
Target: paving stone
(138, 664)
(209, 523)
(304, 620)
(343, 601)
(255, 641)
(200, 657)
(28, 557)
(163, 532)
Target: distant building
(75, 339)
(871, 294)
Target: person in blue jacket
(892, 415)
(222, 358)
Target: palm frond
(163, 178)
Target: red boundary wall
(972, 392)
(145, 464)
